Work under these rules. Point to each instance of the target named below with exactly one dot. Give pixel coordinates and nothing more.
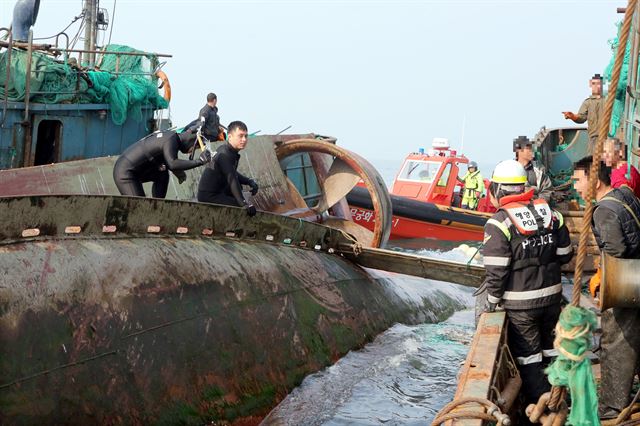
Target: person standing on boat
(151, 158)
(525, 242)
(220, 182)
(473, 187)
(616, 227)
(208, 121)
(590, 110)
(536, 176)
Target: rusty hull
(135, 325)
(479, 371)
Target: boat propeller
(346, 170)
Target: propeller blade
(340, 180)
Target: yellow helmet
(509, 172)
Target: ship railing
(56, 50)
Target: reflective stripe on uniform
(560, 218)
(531, 359)
(549, 352)
(501, 226)
(493, 299)
(563, 250)
(496, 261)
(532, 294)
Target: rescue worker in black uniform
(525, 242)
(208, 121)
(151, 158)
(536, 176)
(220, 182)
(616, 227)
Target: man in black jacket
(616, 227)
(220, 182)
(536, 176)
(525, 242)
(208, 121)
(151, 158)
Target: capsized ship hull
(126, 310)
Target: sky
(384, 77)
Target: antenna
(464, 122)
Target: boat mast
(91, 29)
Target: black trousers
(620, 348)
(530, 334)
(129, 180)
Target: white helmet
(509, 172)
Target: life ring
(164, 84)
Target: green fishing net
(59, 81)
(572, 368)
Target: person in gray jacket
(616, 226)
(537, 177)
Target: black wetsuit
(149, 160)
(211, 126)
(220, 181)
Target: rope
(493, 412)
(558, 394)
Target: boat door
(441, 190)
(47, 139)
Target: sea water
(404, 377)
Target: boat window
(420, 171)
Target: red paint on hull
(405, 228)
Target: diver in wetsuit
(151, 158)
(220, 182)
(208, 121)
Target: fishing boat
(130, 310)
(489, 384)
(425, 198)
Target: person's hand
(489, 307)
(254, 187)
(569, 115)
(181, 175)
(478, 194)
(251, 210)
(205, 157)
(594, 283)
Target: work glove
(490, 307)
(251, 210)
(181, 175)
(205, 157)
(254, 187)
(594, 283)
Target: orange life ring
(164, 84)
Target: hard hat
(509, 172)
(520, 142)
(472, 164)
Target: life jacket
(472, 183)
(530, 218)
